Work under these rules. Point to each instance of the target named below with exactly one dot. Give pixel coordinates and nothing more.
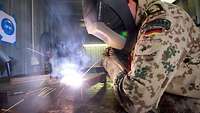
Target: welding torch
(97, 74)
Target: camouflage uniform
(166, 58)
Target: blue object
(3, 43)
(7, 26)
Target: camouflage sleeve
(155, 60)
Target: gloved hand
(121, 55)
(113, 63)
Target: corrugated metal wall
(21, 10)
(95, 53)
(28, 36)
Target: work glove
(114, 62)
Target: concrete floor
(40, 94)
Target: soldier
(166, 59)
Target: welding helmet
(117, 16)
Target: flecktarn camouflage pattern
(166, 58)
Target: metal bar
(14, 106)
(32, 24)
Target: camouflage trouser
(177, 104)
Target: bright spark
(72, 78)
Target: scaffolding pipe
(32, 25)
